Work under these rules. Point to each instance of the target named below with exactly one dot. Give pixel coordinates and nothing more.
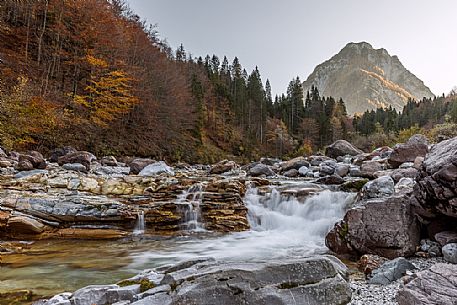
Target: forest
(93, 75)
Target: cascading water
(281, 227)
(190, 200)
(139, 227)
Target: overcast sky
(288, 38)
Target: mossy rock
(354, 185)
(145, 284)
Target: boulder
(416, 146)
(24, 165)
(156, 169)
(83, 157)
(404, 173)
(317, 160)
(313, 281)
(327, 167)
(436, 189)
(435, 286)
(261, 169)
(61, 152)
(223, 166)
(295, 163)
(25, 225)
(342, 169)
(332, 179)
(35, 158)
(390, 271)
(368, 168)
(450, 253)
(383, 226)
(291, 173)
(109, 161)
(341, 148)
(378, 188)
(137, 165)
(303, 171)
(446, 237)
(95, 294)
(76, 167)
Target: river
(281, 226)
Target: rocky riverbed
(268, 215)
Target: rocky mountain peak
(367, 78)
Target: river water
(281, 227)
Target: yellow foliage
(107, 95)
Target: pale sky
(288, 38)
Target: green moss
(355, 185)
(344, 230)
(145, 284)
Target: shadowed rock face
(366, 79)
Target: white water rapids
(280, 227)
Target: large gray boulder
(435, 286)
(313, 281)
(223, 167)
(137, 165)
(155, 169)
(261, 169)
(416, 146)
(383, 226)
(341, 148)
(436, 190)
(450, 253)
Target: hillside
(366, 79)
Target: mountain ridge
(367, 78)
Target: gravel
(368, 294)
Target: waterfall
(190, 201)
(139, 227)
(281, 227)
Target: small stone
(450, 253)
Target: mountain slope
(367, 78)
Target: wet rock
(450, 252)
(390, 271)
(341, 148)
(137, 165)
(77, 167)
(261, 169)
(368, 262)
(155, 169)
(437, 285)
(383, 226)
(416, 146)
(95, 294)
(61, 152)
(223, 167)
(83, 157)
(446, 237)
(378, 188)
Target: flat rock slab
(437, 286)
